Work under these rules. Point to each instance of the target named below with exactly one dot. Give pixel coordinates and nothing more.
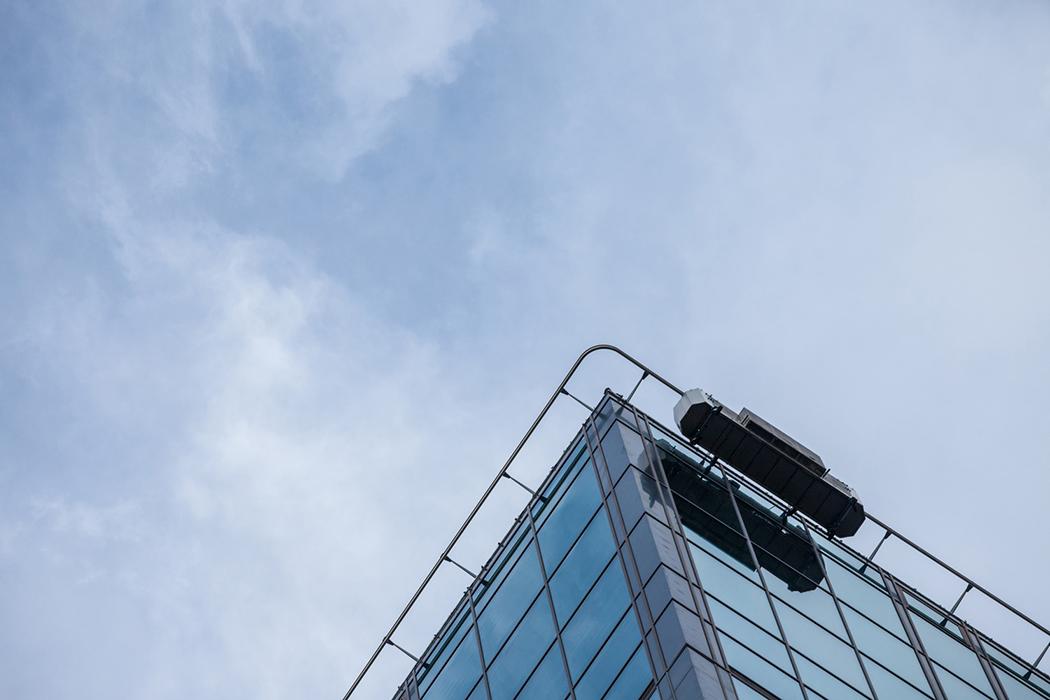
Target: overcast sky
(283, 283)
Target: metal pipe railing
(444, 557)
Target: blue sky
(281, 285)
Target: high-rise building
(656, 564)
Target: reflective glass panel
(863, 594)
(728, 585)
(502, 565)
(760, 671)
(634, 679)
(554, 489)
(951, 653)
(761, 641)
(826, 650)
(548, 681)
(887, 650)
(522, 651)
(818, 677)
(887, 685)
(581, 566)
(955, 688)
(612, 657)
(439, 655)
(512, 598)
(595, 619)
(744, 692)
(568, 518)
(1018, 690)
(456, 679)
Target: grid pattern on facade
(851, 629)
(902, 644)
(550, 615)
(560, 610)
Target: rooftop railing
(1001, 613)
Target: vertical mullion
(637, 598)
(975, 644)
(842, 615)
(901, 606)
(550, 601)
(477, 640)
(672, 515)
(762, 578)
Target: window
(584, 562)
(595, 619)
(522, 652)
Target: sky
(283, 283)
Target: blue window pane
(761, 671)
(950, 652)
(732, 586)
(955, 688)
(864, 594)
(548, 681)
(741, 567)
(522, 652)
(817, 604)
(584, 562)
(612, 657)
(594, 620)
(760, 641)
(886, 648)
(457, 678)
(443, 650)
(479, 692)
(568, 518)
(744, 692)
(635, 678)
(821, 679)
(502, 566)
(824, 649)
(1016, 689)
(888, 685)
(554, 491)
(519, 589)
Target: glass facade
(644, 567)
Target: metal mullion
(807, 617)
(477, 640)
(639, 598)
(974, 642)
(765, 588)
(762, 629)
(842, 615)
(672, 515)
(915, 641)
(550, 602)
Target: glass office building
(646, 567)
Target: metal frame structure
(976, 640)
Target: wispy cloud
(284, 282)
